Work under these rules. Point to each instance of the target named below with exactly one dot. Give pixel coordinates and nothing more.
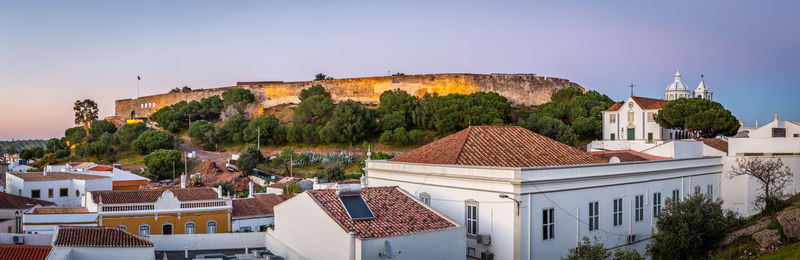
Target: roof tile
(258, 205)
(60, 210)
(40, 176)
(149, 196)
(83, 236)
(11, 201)
(24, 252)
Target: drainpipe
(250, 189)
(352, 246)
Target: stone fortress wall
(520, 89)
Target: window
(650, 117)
(123, 227)
(472, 218)
(656, 204)
(613, 137)
(612, 118)
(19, 191)
(778, 132)
(697, 189)
(49, 193)
(796, 135)
(710, 191)
(189, 228)
(245, 229)
(593, 216)
(617, 212)
(649, 137)
(166, 229)
(211, 227)
(548, 224)
(77, 193)
(144, 230)
(425, 198)
(63, 192)
(671, 96)
(639, 210)
(630, 116)
(676, 195)
(36, 194)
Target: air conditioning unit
(19, 239)
(486, 255)
(631, 238)
(484, 239)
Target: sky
(55, 52)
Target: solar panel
(356, 207)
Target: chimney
(183, 181)
(219, 191)
(250, 189)
(44, 173)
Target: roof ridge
(464, 143)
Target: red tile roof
(501, 146)
(149, 196)
(11, 201)
(258, 205)
(101, 168)
(24, 252)
(83, 165)
(645, 103)
(82, 236)
(627, 155)
(396, 213)
(39, 176)
(715, 143)
(614, 107)
(60, 210)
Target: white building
(355, 223)
(255, 213)
(120, 179)
(11, 209)
(89, 243)
(777, 139)
(556, 194)
(63, 189)
(45, 220)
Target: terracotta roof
(715, 143)
(24, 252)
(396, 213)
(11, 201)
(627, 155)
(83, 165)
(101, 168)
(83, 236)
(501, 146)
(258, 205)
(149, 196)
(614, 107)
(650, 103)
(39, 176)
(60, 210)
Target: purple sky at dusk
(52, 53)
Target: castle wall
(520, 89)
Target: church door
(631, 133)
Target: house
(24, 252)
(779, 139)
(525, 196)
(355, 223)
(11, 210)
(120, 179)
(44, 220)
(79, 242)
(61, 188)
(256, 212)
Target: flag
(138, 78)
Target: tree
(699, 117)
(550, 127)
(422, 113)
(350, 123)
(597, 251)
(53, 145)
(227, 187)
(203, 133)
(169, 119)
(335, 173)
(130, 132)
(152, 140)
(238, 96)
(249, 159)
(390, 121)
(233, 128)
(271, 131)
(773, 176)
(74, 135)
(85, 112)
(99, 127)
(160, 163)
(103, 147)
(292, 188)
(26, 154)
(688, 229)
(186, 89)
(314, 90)
(399, 74)
(321, 76)
(314, 110)
(396, 100)
(211, 107)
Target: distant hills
(18, 145)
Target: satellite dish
(387, 249)
(614, 160)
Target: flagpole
(138, 78)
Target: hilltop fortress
(520, 89)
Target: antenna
(387, 249)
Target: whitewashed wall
(208, 241)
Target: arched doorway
(133, 114)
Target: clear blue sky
(52, 53)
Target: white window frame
(594, 217)
(186, 228)
(639, 208)
(697, 189)
(656, 204)
(548, 223)
(471, 220)
(146, 228)
(676, 195)
(425, 198)
(612, 118)
(710, 191)
(617, 213)
(209, 227)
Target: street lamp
(18, 215)
(504, 196)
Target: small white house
(101, 243)
(255, 213)
(63, 189)
(12, 208)
(44, 220)
(525, 196)
(355, 223)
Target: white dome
(677, 84)
(702, 86)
